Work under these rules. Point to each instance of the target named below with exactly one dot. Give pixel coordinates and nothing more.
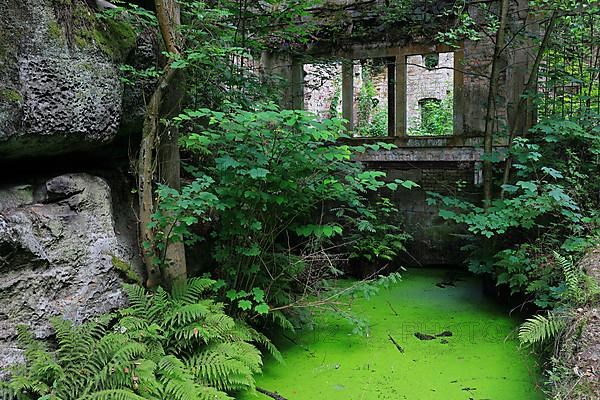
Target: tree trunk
(490, 118)
(159, 155)
(521, 110)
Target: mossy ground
(481, 360)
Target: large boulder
(62, 252)
(60, 89)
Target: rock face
(580, 349)
(57, 242)
(59, 77)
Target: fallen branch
(392, 308)
(273, 395)
(400, 349)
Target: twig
(273, 395)
(392, 308)
(400, 349)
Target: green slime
(481, 360)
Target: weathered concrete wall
(449, 171)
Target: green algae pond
(475, 355)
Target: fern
(115, 394)
(174, 345)
(539, 329)
(187, 292)
(573, 278)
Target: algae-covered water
(481, 360)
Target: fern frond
(178, 383)
(159, 304)
(281, 320)
(572, 275)
(75, 342)
(539, 328)
(208, 393)
(23, 387)
(573, 279)
(187, 292)
(113, 360)
(266, 343)
(227, 366)
(188, 313)
(137, 296)
(114, 394)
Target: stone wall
(66, 235)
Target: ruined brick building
(409, 72)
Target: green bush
(550, 204)
(277, 188)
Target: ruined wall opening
(323, 89)
(388, 92)
(429, 94)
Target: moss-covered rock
(60, 88)
(10, 95)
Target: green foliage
(372, 115)
(549, 204)
(277, 188)
(178, 345)
(378, 236)
(464, 26)
(437, 118)
(539, 329)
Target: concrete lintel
(453, 154)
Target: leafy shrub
(384, 239)
(168, 346)
(549, 204)
(278, 189)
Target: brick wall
(423, 83)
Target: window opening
(429, 94)
(371, 94)
(323, 89)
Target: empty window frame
(414, 91)
(430, 94)
(372, 86)
(323, 89)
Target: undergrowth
(177, 345)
